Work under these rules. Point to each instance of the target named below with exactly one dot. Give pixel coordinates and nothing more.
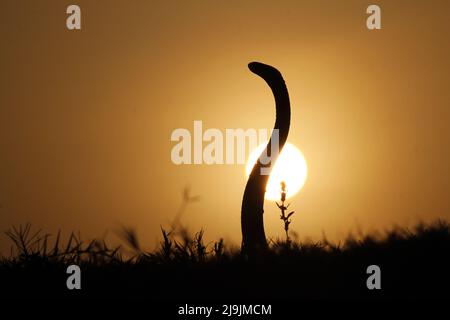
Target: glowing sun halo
(290, 167)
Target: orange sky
(86, 116)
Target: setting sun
(290, 167)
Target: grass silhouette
(414, 264)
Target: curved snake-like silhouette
(253, 236)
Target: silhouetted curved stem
(253, 236)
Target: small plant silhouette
(36, 247)
(283, 208)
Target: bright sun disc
(290, 167)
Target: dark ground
(414, 265)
